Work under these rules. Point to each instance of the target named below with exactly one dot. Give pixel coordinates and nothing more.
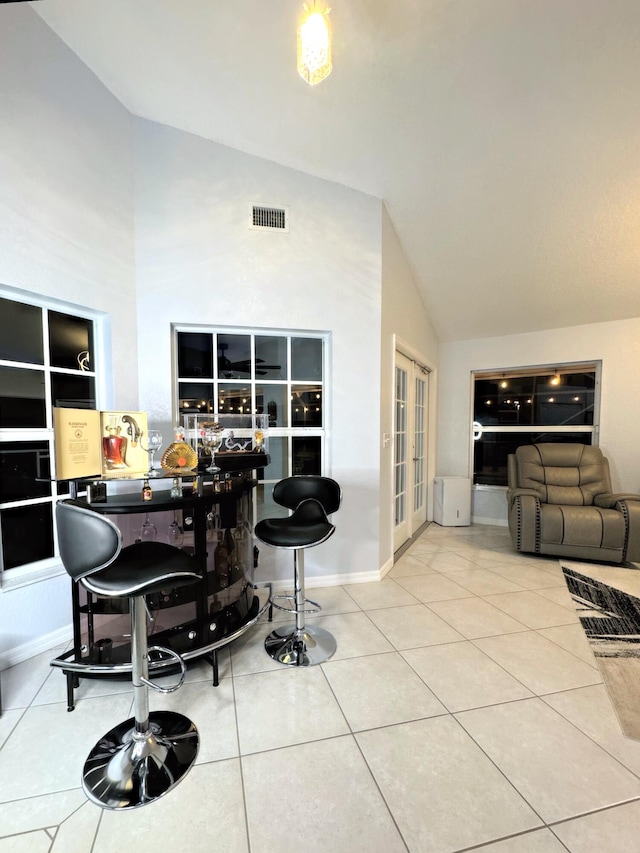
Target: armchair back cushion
(562, 474)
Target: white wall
(198, 262)
(616, 344)
(404, 316)
(66, 221)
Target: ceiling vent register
(269, 218)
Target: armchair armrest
(512, 494)
(524, 518)
(608, 500)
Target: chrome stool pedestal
(311, 498)
(299, 644)
(144, 757)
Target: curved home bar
(194, 621)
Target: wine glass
(211, 441)
(148, 531)
(174, 533)
(154, 442)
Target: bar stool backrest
(88, 542)
(292, 490)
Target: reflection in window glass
(73, 392)
(490, 452)
(21, 332)
(25, 470)
(234, 356)
(70, 341)
(195, 355)
(234, 399)
(22, 398)
(272, 400)
(27, 534)
(271, 357)
(196, 397)
(306, 359)
(306, 455)
(556, 399)
(306, 405)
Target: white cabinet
(452, 501)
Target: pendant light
(314, 44)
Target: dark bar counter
(194, 621)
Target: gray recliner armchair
(560, 503)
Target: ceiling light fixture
(314, 44)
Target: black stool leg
(141, 759)
(300, 644)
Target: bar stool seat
(311, 498)
(142, 758)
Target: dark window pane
(234, 356)
(27, 534)
(21, 332)
(271, 400)
(73, 392)
(25, 470)
(271, 357)
(70, 341)
(306, 405)
(22, 398)
(306, 358)
(491, 450)
(196, 397)
(234, 399)
(306, 455)
(562, 399)
(195, 355)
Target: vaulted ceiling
(503, 135)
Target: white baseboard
(332, 580)
(494, 522)
(386, 568)
(36, 646)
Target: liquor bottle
(147, 492)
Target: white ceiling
(503, 135)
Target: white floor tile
(462, 677)
(614, 829)
(557, 769)
(539, 664)
(538, 841)
(444, 793)
(361, 686)
(413, 626)
(203, 814)
(386, 593)
(434, 588)
(532, 609)
(473, 617)
(293, 705)
(316, 797)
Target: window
(46, 360)
(280, 374)
(529, 406)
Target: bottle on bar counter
(147, 492)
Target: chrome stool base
(127, 769)
(293, 647)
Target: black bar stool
(311, 498)
(144, 757)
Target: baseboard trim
(339, 580)
(493, 522)
(386, 568)
(36, 646)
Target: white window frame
(34, 572)
(288, 433)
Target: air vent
(269, 218)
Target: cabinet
(194, 621)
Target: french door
(410, 449)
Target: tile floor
(462, 711)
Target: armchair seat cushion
(586, 526)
